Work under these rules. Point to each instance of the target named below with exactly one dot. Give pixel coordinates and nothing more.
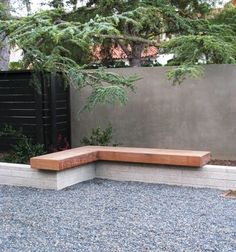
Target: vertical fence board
(39, 117)
(53, 110)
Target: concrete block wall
(23, 175)
(209, 176)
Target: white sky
(36, 5)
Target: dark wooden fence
(43, 113)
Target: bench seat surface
(82, 155)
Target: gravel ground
(103, 215)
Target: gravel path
(112, 216)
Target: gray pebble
(109, 216)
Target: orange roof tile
(118, 53)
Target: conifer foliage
(195, 34)
(43, 38)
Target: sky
(36, 5)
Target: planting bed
(223, 162)
(103, 215)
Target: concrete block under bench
(211, 176)
(23, 175)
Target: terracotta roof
(118, 53)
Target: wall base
(209, 176)
(23, 175)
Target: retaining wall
(209, 176)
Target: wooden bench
(83, 155)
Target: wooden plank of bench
(65, 159)
(155, 156)
(83, 155)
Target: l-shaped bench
(83, 155)
(176, 167)
(66, 168)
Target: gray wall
(198, 114)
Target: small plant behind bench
(23, 149)
(99, 136)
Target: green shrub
(18, 65)
(24, 148)
(99, 136)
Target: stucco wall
(198, 114)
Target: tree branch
(131, 38)
(124, 48)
